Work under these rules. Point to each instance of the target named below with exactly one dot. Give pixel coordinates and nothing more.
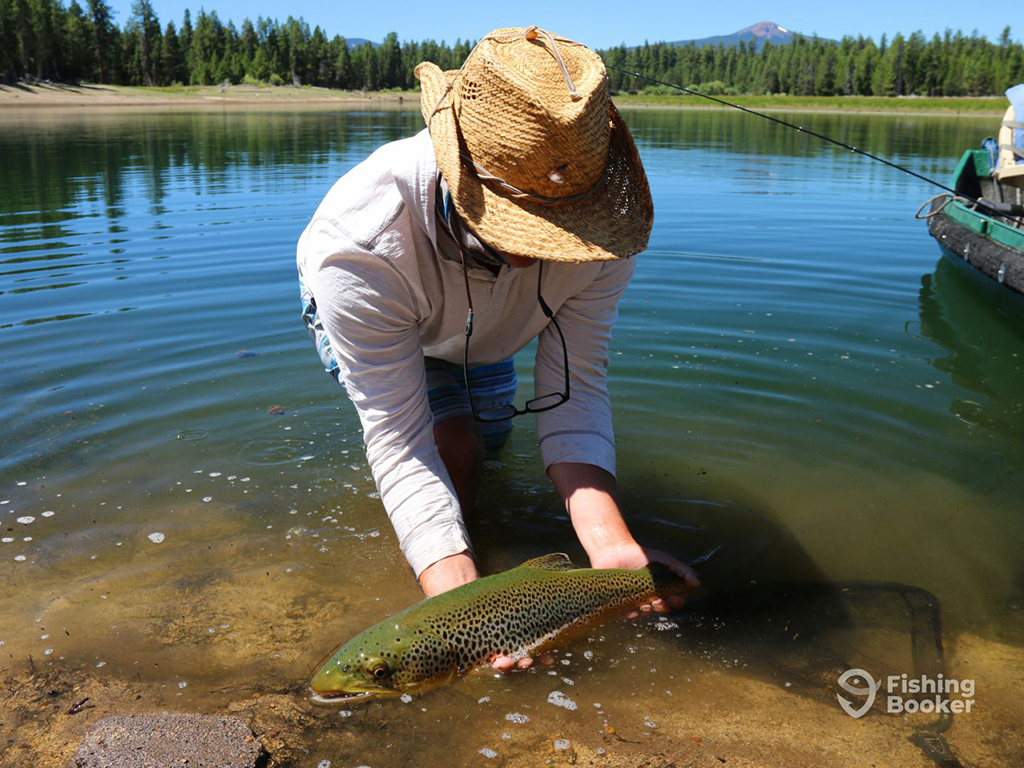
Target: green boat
(983, 223)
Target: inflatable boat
(982, 224)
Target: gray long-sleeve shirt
(387, 298)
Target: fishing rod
(1002, 209)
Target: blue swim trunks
(493, 384)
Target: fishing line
(799, 128)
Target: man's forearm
(589, 494)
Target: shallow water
(797, 376)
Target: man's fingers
(502, 663)
(676, 602)
(507, 663)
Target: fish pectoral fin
(556, 561)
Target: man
(427, 266)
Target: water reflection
(52, 167)
(980, 326)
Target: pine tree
(185, 38)
(103, 33)
(390, 55)
(144, 26)
(78, 55)
(343, 65)
(174, 61)
(10, 59)
(25, 47)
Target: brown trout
(514, 613)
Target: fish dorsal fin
(556, 561)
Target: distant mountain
(758, 33)
(355, 42)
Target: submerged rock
(130, 741)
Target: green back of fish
(522, 608)
(510, 613)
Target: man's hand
(632, 555)
(589, 494)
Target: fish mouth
(345, 697)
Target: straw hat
(538, 160)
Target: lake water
(797, 377)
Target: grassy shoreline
(91, 96)
(993, 106)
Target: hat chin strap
(531, 34)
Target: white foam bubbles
(559, 699)
(156, 538)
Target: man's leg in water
(461, 445)
(462, 441)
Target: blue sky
(600, 23)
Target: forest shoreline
(87, 96)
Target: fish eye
(380, 670)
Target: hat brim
(613, 222)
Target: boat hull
(1002, 263)
(992, 244)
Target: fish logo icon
(849, 687)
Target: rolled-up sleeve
(370, 315)
(580, 430)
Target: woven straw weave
(510, 122)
